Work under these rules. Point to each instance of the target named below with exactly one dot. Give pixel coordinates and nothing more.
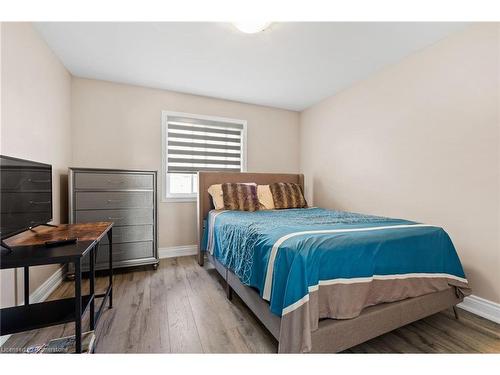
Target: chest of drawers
(128, 198)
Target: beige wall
(419, 140)
(119, 126)
(35, 122)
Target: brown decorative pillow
(240, 197)
(287, 195)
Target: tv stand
(30, 251)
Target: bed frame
(332, 335)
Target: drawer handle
(116, 182)
(115, 218)
(38, 181)
(34, 202)
(114, 200)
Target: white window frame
(166, 196)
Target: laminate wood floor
(182, 308)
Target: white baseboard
(177, 251)
(482, 307)
(43, 292)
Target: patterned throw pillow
(240, 197)
(287, 195)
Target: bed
(322, 280)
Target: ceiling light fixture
(251, 27)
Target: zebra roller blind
(195, 144)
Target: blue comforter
(285, 254)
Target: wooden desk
(29, 250)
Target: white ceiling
(289, 65)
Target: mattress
(315, 263)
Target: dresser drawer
(133, 233)
(112, 181)
(119, 217)
(125, 251)
(25, 180)
(26, 202)
(10, 221)
(110, 200)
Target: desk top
(41, 234)
(28, 247)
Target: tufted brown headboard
(206, 179)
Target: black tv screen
(25, 195)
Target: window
(193, 143)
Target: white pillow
(215, 192)
(265, 197)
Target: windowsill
(178, 199)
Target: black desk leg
(26, 286)
(92, 254)
(78, 306)
(110, 241)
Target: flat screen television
(25, 195)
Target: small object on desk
(60, 242)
